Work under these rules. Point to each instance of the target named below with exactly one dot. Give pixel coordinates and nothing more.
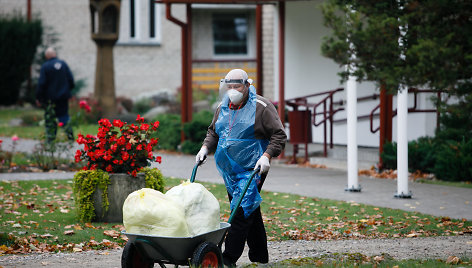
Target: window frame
(142, 24)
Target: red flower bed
(119, 147)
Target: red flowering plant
(119, 147)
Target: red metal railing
(327, 104)
(327, 114)
(413, 109)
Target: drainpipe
(351, 111)
(402, 143)
(186, 105)
(352, 165)
(281, 108)
(402, 127)
(259, 48)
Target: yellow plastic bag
(150, 212)
(202, 210)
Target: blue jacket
(55, 81)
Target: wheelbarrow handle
(194, 171)
(233, 213)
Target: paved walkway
(436, 200)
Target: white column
(402, 143)
(352, 174)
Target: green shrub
(143, 105)
(168, 131)
(87, 181)
(20, 40)
(421, 154)
(170, 128)
(454, 161)
(389, 155)
(195, 131)
(449, 160)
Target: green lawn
(36, 132)
(32, 127)
(447, 183)
(360, 260)
(41, 214)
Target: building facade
(147, 57)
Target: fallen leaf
(112, 233)
(453, 260)
(46, 235)
(379, 258)
(70, 232)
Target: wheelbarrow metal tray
(176, 250)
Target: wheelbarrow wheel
(207, 254)
(132, 258)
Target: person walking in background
(53, 94)
(246, 132)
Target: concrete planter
(121, 185)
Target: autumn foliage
(119, 147)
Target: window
(132, 19)
(140, 23)
(230, 33)
(152, 19)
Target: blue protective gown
(238, 151)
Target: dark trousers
(250, 230)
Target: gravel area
(400, 248)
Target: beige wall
(138, 68)
(141, 66)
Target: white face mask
(235, 96)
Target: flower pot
(121, 185)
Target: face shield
(227, 84)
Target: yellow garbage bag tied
(201, 208)
(150, 212)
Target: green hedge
(170, 127)
(454, 161)
(168, 132)
(195, 131)
(448, 160)
(20, 40)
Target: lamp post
(105, 15)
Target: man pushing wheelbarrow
(246, 132)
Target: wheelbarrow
(203, 250)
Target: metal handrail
(328, 112)
(413, 109)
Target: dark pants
(60, 110)
(249, 229)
